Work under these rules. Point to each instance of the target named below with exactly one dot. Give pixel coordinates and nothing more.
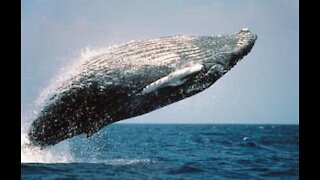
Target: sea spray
(57, 154)
(67, 70)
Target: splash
(32, 154)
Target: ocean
(170, 151)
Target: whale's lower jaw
(135, 79)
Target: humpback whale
(136, 78)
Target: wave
(122, 162)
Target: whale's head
(207, 59)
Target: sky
(262, 89)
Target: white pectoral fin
(176, 78)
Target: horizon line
(166, 123)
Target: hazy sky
(262, 88)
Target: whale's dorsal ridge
(175, 78)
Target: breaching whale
(136, 78)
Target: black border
(308, 127)
(11, 89)
(11, 84)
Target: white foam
(245, 138)
(127, 161)
(32, 154)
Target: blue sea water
(172, 151)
